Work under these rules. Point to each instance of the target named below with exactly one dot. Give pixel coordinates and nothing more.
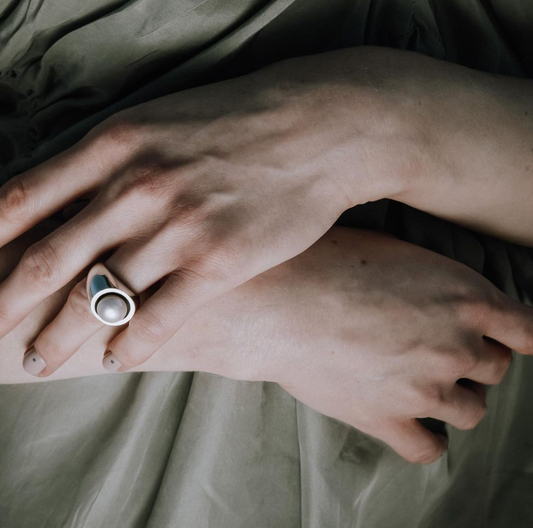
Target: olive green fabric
(196, 450)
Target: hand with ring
(200, 190)
(363, 327)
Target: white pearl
(112, 308)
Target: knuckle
(460, 363)
(496, 300)
(472, 308)
(430, 399)
(146, 181)
(192, 211)
(189, 205)
(15, 205)
(120, 132)
(41, 264)
(6, 318)
(51, 351)
(471, 297)
(149, 328)
(80, 306)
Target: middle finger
(139, 264)
(57, 343)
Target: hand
(375, 332)
(205, 188)
(365, 328)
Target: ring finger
(135, 264)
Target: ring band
(112, 302)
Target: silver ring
(112, 302)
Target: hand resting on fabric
(365, 328)
(212, 186)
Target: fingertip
(111, 363)
(33, 363)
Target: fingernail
(110, 362)
(33, 363)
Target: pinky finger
(156, 321)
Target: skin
(315, 325)
(211, 187)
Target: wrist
(469, 152)
(360, 135)
(371, 105)
(388, 103)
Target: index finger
(38, 193)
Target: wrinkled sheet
(193, 450)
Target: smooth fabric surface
(197, 450)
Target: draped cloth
(194, 450)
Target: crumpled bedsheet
(195, 450)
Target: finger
(139, 261)
(412, 441)
(494, 360)
(137, 264)
(462, 407)
(511, 323)
(38, 193)
(183, 291)
(57, 342)
(54, 261)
